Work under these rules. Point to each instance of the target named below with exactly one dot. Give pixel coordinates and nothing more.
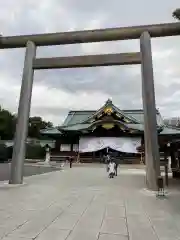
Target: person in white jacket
(111, 168)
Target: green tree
(35, 125)
(176, 14)
(7, 124)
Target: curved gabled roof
(82, 116)
(88, 126)
(163, 130)
(81, 120)
(111, 105)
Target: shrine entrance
(120, 144)
(94, 149)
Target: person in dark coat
(116, 165)
(70, 161)
(117, 160)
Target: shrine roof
(165, 130)
(75, 117)
(86, 126)
(81, 116)
(170, 131)
(79, 120)
(51, 131)
(76, 127)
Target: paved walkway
(82, 203)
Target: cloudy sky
(55, 92)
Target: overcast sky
(55, 92)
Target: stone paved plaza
(82, 203)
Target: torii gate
(144, 57)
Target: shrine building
(89, 135)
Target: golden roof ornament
(108, 110)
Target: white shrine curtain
(65, 147)
(122, 144)
(76, 147)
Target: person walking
(70, 161)
(108, 158)
(116, 165)
(111, 169)
(117, 162)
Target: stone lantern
(48, 155)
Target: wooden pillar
(152, 158)
(93, 156)
(71, 147)
(57, 145)
(174, 166)
(173, 157)
(166, 167)
(142, 140)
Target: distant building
(175, 121)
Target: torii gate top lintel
(87, 36)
